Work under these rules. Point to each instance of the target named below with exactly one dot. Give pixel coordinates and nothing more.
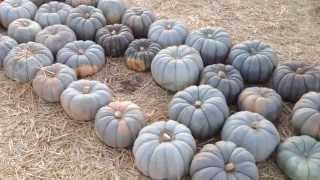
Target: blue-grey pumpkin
(23, 30)
(75, 3)
(40, 2)
(112, 10)
(6, 44)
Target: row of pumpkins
(165, 149)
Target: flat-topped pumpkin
(23, 30)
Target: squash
(226, 78)
(40, 2)
(252, 132)
(119, 123)
(164, 150)
(168, 32)
(223, 161)
(255, 60)
(75, 3)
(23, 30)
(112, 10)
(6, 44)
(83, 98)
(298, 78)
(176, 67)
(140, 53)
(115, 39)
(138, 20)
(85, 57)
(51, 81)
(212, 43)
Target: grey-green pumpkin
(112, 10)
(23, 30)
(6, 44)
(75, 3)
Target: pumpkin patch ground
(39, 141)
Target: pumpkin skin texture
(195, 106)
(112, 10)
(264, 101)
(168, 32)
(23, 30)
(119, 123)
(251, 131)
(140, 53)
(226, 78)
(115, 39)
(299, 78)
(176, 67)
(6, 44)
(298, 157)
(212, 43)
(23, 61)
(255, 61)
(85, 57)
(75, 3)
(164, 150)
(83, 98)
(51, 81)
(223, 161)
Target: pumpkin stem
(222, 74)
(117, 114)
(169, 26)
(141, 48)
(86, 89)
(113, 32)
(230, 167)
(197, 104)
(255, 125)
(48, 73)
(300, 70)
(210, 35)
(165, 137)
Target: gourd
(112, 10)
(298, 157)
(40, 2)
(292, 80)
(83, 98)
(226, 78)
(115, 39)
(168, 32)
(85, 57)
(255, 60)
(164, 150)
(6, 44)
(176, 67)
(195, 106)
(138, 20)
(11, 10)
(212, 43)
(140, 53)
(75, 3)
(264, 101)
(24, 60)
(119, 123)
(23, 30)
(223, 161)
(51, 81)
(252, 132)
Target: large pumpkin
(24, 61)
(164, 150)
(212, 43)
(195, 106)
(252, 132)
(6, 44)
(75, 3)
(23, 30)
(176, 67)
(112, 10)
(119, 123)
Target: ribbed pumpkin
(119, 123)
(75, 3)
(112, 10)
(140, 53)
(212, 43)
(24, 61)
(85, 57)
(139, 20)
(6, 44)
(52, 80)
(164, 150)
(195, 106)
(168, 32)
(23, 30)
(292, 80)
(254, 59)
(226, 78)
(176, 67)
(40, 2)
(223, 161)
(83, 98)
(115, 39)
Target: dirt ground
(39, 141)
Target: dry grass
(38, 140)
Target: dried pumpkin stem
(117, 114)
(300, 70)
(222, 74)
(197, 104)
(165, 137)
(230, 167)
(86, 89)
(255, 125)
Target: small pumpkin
(6, 44)
(83, 98)
(24, 61)
(140, 53)
(226, 78)
(85, 57)
(112, 10)
(51, 81)
(212, 43)
(115, 39)
(168, 32)
(252, 132)
(255, 60)
(119, 123)
(195, 106)
(164, 150)
(75, 3)
(23, 30)
(292, 80)
(223, 161)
